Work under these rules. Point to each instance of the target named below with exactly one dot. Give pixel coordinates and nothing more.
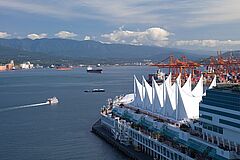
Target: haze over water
(61, 131)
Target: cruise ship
(172, 121)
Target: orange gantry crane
(177, 66)
(226, 69)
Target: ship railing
(169, 142)
(154, 116)
(149, 133)
(194, 134)
(171, 138)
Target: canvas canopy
(170, 100)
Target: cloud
(214, 12)
(4, 35)
(65, 34)
(60, 9)
(151, 36)
(87, 38)
(161, 37)
(209, 43)
(161, 12)
(37, 36)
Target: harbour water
(60, 131)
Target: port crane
(227, 69)
(177, 66)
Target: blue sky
(194, 24)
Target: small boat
(98, 90)
(95, 90)
(94, 69)
(52, 100)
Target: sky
(191, 24)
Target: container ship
(94, 69)
(174, 121)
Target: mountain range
(235, 54)
(63, 50)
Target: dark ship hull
(98, 70)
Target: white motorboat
(52, 100)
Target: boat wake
(24, 106)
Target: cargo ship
(96, 90)
(94, 69)
(64, 68)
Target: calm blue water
(63, 131)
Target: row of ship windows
(206, 117)
(227, 105)
(224, 99)
(237, 125)
(156, 147)
(222, 94)
(230, 115)
(230, 99)
(213, 128)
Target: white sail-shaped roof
(170, 96)
(198, 90)
(178, 79)
(172, 91)
(169, 102)
(187, 105)
(181, 112)
(147, 99)
(187, 87)
(214, 83)
(168, 81)
(161, 94)
(173, 95)
(157, 97)
(138, 97)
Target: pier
(129, 151)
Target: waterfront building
(9, 66)
(174, 121)
(3, 68)
(26, 65)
